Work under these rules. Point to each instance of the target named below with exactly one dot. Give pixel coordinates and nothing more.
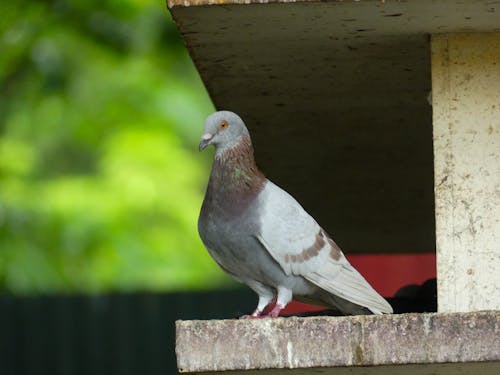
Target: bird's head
(224, 130)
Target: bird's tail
(354, 291)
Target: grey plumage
(263, 237)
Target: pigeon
(261, 236)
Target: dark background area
(108, 334)
(127, 333)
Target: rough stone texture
(466, 103)
(482, 368)
(321, 342)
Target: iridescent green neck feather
(235, 180)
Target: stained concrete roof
(336, 96)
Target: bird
(261, 236)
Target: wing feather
(301, 247)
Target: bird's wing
(302, 247)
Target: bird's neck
(235, 180)
(235, 168)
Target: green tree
(100, 184)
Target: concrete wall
(466, 122)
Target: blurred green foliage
(100, 182)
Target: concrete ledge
(319, 342)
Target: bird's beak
(205, 141)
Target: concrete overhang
(337, 98)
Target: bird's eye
(223, 124)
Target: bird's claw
(247, 316)
(275, 312)
(255, 315)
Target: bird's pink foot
(255, 315)
(275, 312)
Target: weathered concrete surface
(319, 342)
(466, 105)
(482, 368)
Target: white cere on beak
(206, 136)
